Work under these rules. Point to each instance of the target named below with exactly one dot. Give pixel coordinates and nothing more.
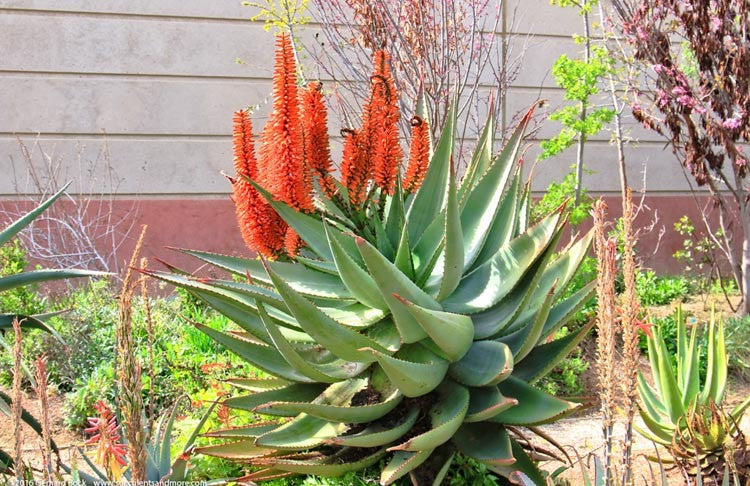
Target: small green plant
(658, 290)
(684, 413)
(565, 378)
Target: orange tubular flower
(419, 154)
(259, 225)
(354, 169)
(315, 134)
(380, 123)
(282, 151)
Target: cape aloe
(683, 412)
(406, 327)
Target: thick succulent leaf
(317, 265)
(716, 373)
(385, 334)
(326, 373)
(301, 433)
(38, 276)
(381, 238)
(15, 227)
(404, 261)
(333, 404)
(650, 402)
(251, 431)
(338, 339)
(390, 280)
(688, 378)
(446, 416)
(303, 280)
(260, 294)
(258, 384)
(564, 310)
(264, 357)
(656, 431)
(504, 160)
(535, 407)
(421, 374)
(427, 252)
(451, 267)
(483, 204)
(402, 463)
(242, 449)
(332, 466)
(355, 315)
(486, 442)
(238, 313)
(501, 227)
(524, 470)
(395, 214)
(266, 474)
(452, 333)
(296, 391)
(523, 214)
(497, 319)
(430, 197)
(486, 402)
(666, 381)
(445, 455)
(355, 278)
(377, 434)
(492, 281)
(522, 342)
(482, 157)
(543, 358)
(486, 363)
(30, 322)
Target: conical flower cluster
(294, 153)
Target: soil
(63, 437)
(366, 396)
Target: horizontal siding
(159, 81)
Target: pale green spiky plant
(685, 415)
(415, 344)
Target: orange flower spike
(292, 242)
(382, 125)
(315, 131)
(419, 155)
(354, 172)
(254, 216)
(283, 149)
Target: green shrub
(737, 336)
(23, 300)
(658, 290)
(565, 378)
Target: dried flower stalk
(606, 323)
(41, 391)
(129, 375)
(17, 405)
(150, 338)
(629, 320)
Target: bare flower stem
(150, 335)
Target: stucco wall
(158, 81)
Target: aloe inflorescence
(409, 322)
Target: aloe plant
(7, 316)
(685, 414)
